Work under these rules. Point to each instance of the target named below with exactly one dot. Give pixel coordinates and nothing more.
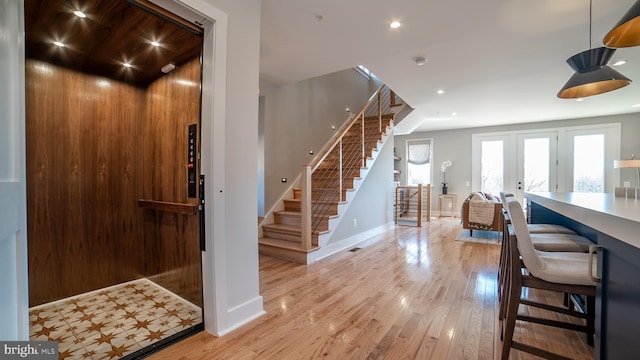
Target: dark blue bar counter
(613, 223)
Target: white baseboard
(242, 315)
(332, 248)
(447, 214)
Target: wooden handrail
(166, 206)
(364, 152)
(348, 151)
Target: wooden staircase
(332, 178)
(282, 238)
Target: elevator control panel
(191, 161)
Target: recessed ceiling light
(454, 114)
(58, 43)
(155, 43)
(440, 91)
(579, 99)
(395, 24)
(127, 65)
(619, 62)
(79, 14)
(636, 105)
(420, 60)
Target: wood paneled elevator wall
(96, 146)
(173, 103)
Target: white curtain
(419, 152)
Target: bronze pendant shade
(592, 75)
(626, 33)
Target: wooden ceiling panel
(114, 32)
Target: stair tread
(315, 201)
(289, 228)
(298, 213)
(287, 212)
(282, 227)
(284, 244)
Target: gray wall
(455, 145)
(373, 205)
(298, 118)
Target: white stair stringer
(325, 250)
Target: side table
(447, 202)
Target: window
(588, 163)
(364, 71)
(492, 167)
(536, 164)
(418, 162)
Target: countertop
(617, 217)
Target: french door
(570, 159)
(536, 163)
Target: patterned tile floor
(113, 322)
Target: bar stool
(560, 271)
(539, 228)
(545, 237)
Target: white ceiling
(499, 61)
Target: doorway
(112, 120)
(536, 161)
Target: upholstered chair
(527, 267)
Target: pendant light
(626, 33)
(592, 75)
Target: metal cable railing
(413, 204)
(329, 177)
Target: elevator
(113, 98)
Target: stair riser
(335, 182)
(356, 145)
(332, 194)
(368, 134)
(295, 206)
(331, 210)
(354, 150)
(284, 254)
(357, 138)
(315, 195)
(323, 225)
(291, 236)
(291, 205)
(354, 165)
(332, 168)
(294, 220)
(283, 235)
(288, 219)
(371, 125)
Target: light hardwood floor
(411, 293)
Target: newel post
(364, 159)
(340, 171)
(305, 207)
(380, 110)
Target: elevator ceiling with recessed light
(113, 33)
